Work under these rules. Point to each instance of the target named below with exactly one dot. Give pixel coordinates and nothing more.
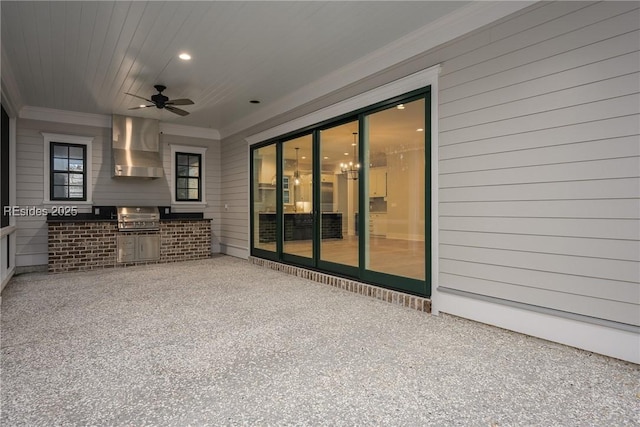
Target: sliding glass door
(339, 181)
(350, 196)
(264, 202)
(297, 215)
(396, 192)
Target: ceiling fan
(160, 101)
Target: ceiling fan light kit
(163, 102)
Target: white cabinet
(378, 182)
(378, 224)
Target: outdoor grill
(138, 218)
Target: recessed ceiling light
(326, 158)
(304, 157)
(346, 154)
(184, 56)
(419, 130)
(400, 107)
(254, 101)
(142, 105)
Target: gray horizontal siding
(234, 193)
(539, 164)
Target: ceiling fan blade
(183, 101)
(148, 100)
(141, 106)
(176, 110)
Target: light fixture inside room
(352, 169)
(296, 174)
(184, 56)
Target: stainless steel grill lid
(138, 218)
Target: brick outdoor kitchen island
(87, 244)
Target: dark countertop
(81, 218)
(301, 213)
(110, 216)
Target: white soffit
(440, 31)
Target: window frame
(198, 177)
(188, 150)
(72, 140)
(53, 171)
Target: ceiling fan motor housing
(159, 99)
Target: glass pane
(193, 183)
(182, 183)
(340, 173)
(194, 171)
(298, 217)
(76, 153)
(60, 164)
(193, 194)
(395, 185)
(264, 198)
(183, 170)
(60, 179)
(76, 179)
(194, 161)
(60, 151)
(76, 165)
(60, 191)
(183, 159)
(75, 192)
(181, 193)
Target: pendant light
(352, 169)
(296, 174)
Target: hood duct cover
(136, 147)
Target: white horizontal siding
(539, 163)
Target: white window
(67, 169)
(188, 171)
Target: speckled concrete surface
(224, 342)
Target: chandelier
(352, 169)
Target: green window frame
(68, 172)
(188, 177)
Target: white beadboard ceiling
(83, 55)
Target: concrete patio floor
(224, 342)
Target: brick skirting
(388, 295)
(88, 245)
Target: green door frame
(400, 283)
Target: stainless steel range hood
(136, 147)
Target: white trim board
(600, 339)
